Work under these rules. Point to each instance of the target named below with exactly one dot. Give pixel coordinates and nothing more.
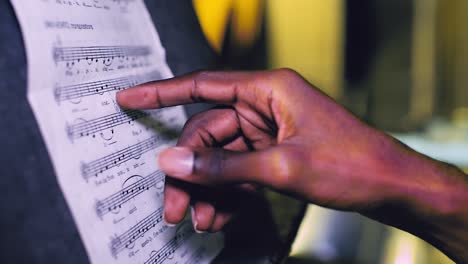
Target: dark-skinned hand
(275, 129)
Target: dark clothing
(35, 223)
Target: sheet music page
(80, 52)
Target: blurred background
(400, 65)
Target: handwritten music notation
(116, 200)
(126, 239)
(96, 167)
(183, 234)
(95, 53)
(94, 126)
(77, 91)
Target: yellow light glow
(213, 16)
(307, 35)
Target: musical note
(126, 239)
(77, 91)
(91, 127)
(183, 234)
(80, 53)
(96, 53)
(116, 200)
(70, 92)
(94, 168)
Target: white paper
(80, 52)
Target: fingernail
(176, 161)
(194, 221)
(164, 219)
(167, 223)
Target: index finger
(207, 87)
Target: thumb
(214, 166)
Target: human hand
(277, 130)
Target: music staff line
(77, 91)
(126, 239)
(116, 200)
(93, 4)
(98, 166)
(94, 126)
(94, 53)
(70, 92)
(170, 247)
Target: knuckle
(286, 73)
(190, 132)
(281, 79)
(288, 167)
(200, 130)
(228, 114)
(200, 76)
(194, 121)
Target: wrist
(424, 197)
